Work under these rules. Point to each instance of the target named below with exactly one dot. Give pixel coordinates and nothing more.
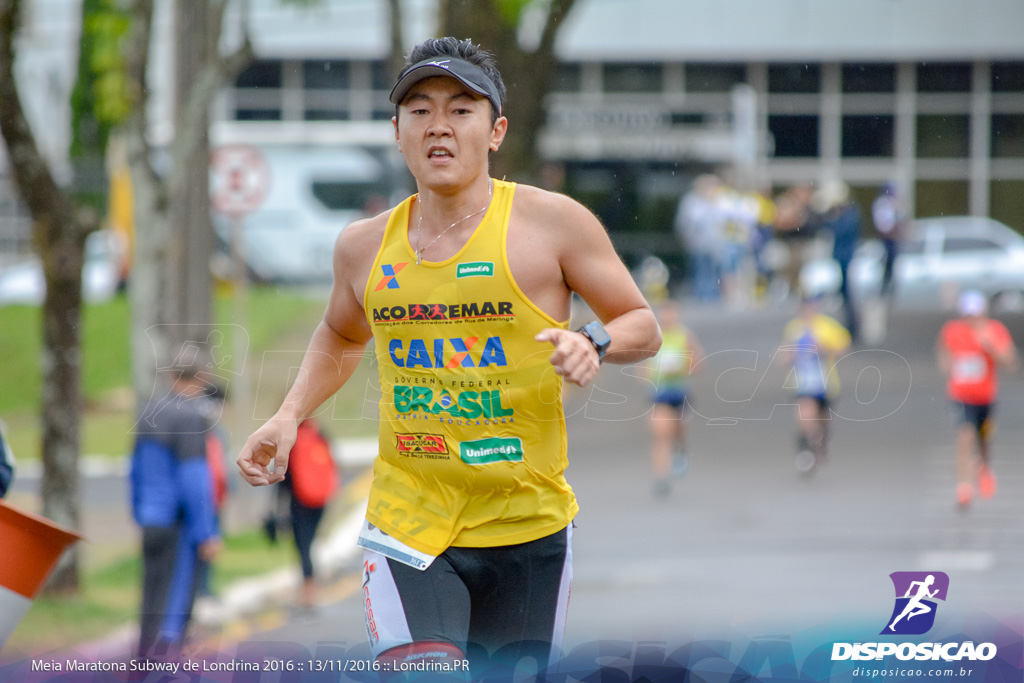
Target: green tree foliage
(100, 100)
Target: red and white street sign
(240, 179)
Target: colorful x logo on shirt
(390, 272)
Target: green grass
(276, 318)
(20, 335)
(104, 346)
(109, 598)
(250, 553)
(110, 595)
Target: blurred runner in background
(670, 373)
(969, 349)
(811, 343)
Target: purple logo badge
(916, 593)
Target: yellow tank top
(472, 434)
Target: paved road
(744, 545)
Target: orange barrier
(30, 546)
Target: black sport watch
(598, 336)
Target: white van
(314, 192)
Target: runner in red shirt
(969, 351)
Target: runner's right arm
(334, 352)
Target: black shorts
(508, 600)
(972, 414)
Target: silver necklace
(419, 224)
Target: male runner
(465, 288)
(812, 342)
(968, 350)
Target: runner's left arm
(998, 343)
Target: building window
(1006, 199)
(325, 75)
(714, 77)
(567, 78)
(941, 136)
(868, 136)
(326, 115)
(687, 119)
(869, 78)
(941, 198)
(944, 77)
(632, 78)
(794, 78)
(795, 136)
(381, 77)
(1007, 76)
(1007, 135)
(258, 114)
(260, 74)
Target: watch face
(598, 334)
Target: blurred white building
(929, 93)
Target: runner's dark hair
(466, 50)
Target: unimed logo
(475, 269)
(913, 614)
(496, 449)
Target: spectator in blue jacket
(173, 502)
(841, 215)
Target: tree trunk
(62, 402)
(148, 280)
(170, 287)
(191, 282)
(396, 60)
(527, 74)
(59, 229)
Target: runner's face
(444, 131)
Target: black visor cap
(470, 75)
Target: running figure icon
(915, 606)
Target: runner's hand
(575, 358)
(269, 445)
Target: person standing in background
(841, 216)
(174, 503)
(889, 216)
(310, 483)
(698, 226)
(796, 225)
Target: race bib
(673, 363)
(810, 375)
(969, 369)
(372, 538)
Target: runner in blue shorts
(811, 343)
(670, 372)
